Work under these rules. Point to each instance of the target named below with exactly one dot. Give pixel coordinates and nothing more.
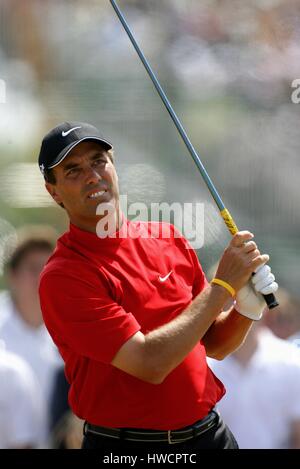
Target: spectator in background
(21, 403)
(284, 321)
(21, 322)
(66, 428)
(68, 434)
(262, 403)
(59, 410)
(295, 339)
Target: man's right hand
(240, 259)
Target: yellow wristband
(225, 285)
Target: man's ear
(51, 188)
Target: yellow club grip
(229, 221)
(270, 298)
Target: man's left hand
(249, 300)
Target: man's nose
(92, 176)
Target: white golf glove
(249, 300)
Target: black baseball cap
(58, 143)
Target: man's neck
(107, 225)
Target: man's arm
(230, 328)
(226, 334)
(153, 356)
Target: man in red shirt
(130, 309)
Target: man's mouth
(96, 195)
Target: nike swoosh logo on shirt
(64, 134)
(163, 279)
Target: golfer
(132, 314)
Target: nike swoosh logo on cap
(64, 134)
(163, 279)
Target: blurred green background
(227, 68)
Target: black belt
(156, 436)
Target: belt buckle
(84, 430)
(170, 438)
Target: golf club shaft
(270, 298)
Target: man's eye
(99, 162)
(72, 172)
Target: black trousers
(218, 437)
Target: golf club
(232, 227)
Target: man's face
(85, 179)
(24, 280)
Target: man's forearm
(226, 334)
(167, 346)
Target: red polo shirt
(95, 294)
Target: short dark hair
(29, 239)
(49, 176)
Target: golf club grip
(271, 301)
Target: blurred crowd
(33, 392)
(262, 379)
(229, 65)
